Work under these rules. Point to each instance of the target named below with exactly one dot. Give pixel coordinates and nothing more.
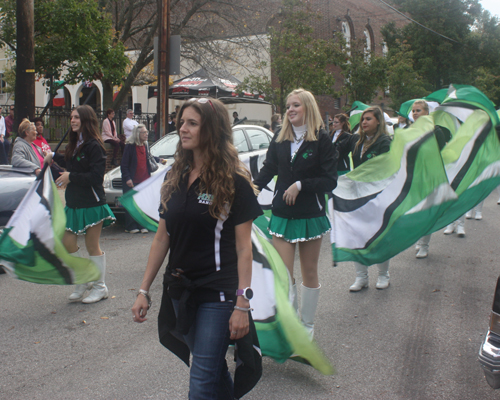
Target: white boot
(479, 211)
(450, 229)
(423, 246)
(468, 214)
(295, 299)
(460, 227)
(361, 277)
(308, 304)
(80, 290)
(99, 290)
(383, 275)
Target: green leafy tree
(488, 81)
(403, 82)
(298, 58)
(73, 42)
(440, 57)
(364, 72)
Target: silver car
(14, 183)
(251, 141)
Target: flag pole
(45, 165)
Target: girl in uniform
(86, 209)
(303, 158)
(370, 141)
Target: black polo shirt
(201, 245)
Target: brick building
(359, 20)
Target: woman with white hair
(136, 168)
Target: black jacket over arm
(315, 166)
(342, 145)
(86, 169)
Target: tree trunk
(107, 94)
(25, 63)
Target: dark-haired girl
(86, 209)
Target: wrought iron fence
(57, 121)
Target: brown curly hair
(221, 158)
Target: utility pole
(25, 61)
(164, 67)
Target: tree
(403, 82)
(210, 30)
(440, 57)
(72, 42)
(364, 72)
(298, 59)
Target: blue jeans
(208, 340)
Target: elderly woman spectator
(25, 153)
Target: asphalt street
(417, 340)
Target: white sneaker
(468, 214)
(460, 231)
(422, 253)
(144, 230)
(479, 215)
(133, 231)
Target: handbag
(152, 162)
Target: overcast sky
(493, 6)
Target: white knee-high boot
(383, 275)
(361, 277)
(308, 304)
(423, 246)
(80, 289)
(461, 226)
(99, 290)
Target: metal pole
(25, 63)
(163, 72)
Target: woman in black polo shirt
(208, 206)
(303, 157)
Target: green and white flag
(31, 246)
(390, 201)
(280, 332)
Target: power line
(418, 23)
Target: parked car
(249, 140)
(14, 183)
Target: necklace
(299, 139)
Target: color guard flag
(31, 246)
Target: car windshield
(166, 146)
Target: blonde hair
(381, 129)
(422, 103)
(312, 117)
(134, 138)
(24, 127)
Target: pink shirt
(37, 152)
